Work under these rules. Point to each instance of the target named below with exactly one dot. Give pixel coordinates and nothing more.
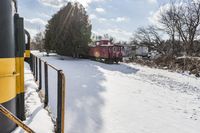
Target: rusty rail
(13, 118)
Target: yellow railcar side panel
(7, 79)
(27, 54)
(20, 78)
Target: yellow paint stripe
(7, 80)
(20, 78)
(27, 54)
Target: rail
(13, 118)
(36, 67)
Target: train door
(110, 49)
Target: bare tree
(168, 22)
(150, 38)
(187, 23)
(38, 42)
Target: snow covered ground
(128, 98)
(38, 118)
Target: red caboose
(107, 51)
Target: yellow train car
(12, 52)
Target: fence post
(46, 101)
(40, 74)
(36, 76)
(60, 102)
(33, 60)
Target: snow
(38, 119)
(188, 57)
(127, 98)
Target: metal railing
(36, 67)
(13, 118)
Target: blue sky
(118, 18)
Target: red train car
(106, 51)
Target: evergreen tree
(69, 31)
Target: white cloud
(45, 15)
(152, 1)
(35, 25)
(60, 3)
(93, 16)
(119, 34)
(100, 10)
(102, 20)
(32, 31)
(121, 19)
(54, 3)
(36, 21)
(155, 16)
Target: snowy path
(129, 98)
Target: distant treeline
(180, 21)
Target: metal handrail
(48, 64)
(53, 67)
(13, 118)
(61, 88)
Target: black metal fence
(40, 71)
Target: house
(142, 51)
